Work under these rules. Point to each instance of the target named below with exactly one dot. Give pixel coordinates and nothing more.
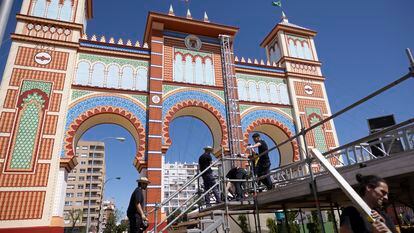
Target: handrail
(340, 112)
(332, 153)
(372, 136)
(196, 176)
(188, 208)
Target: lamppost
(88, 221)
(100, 203)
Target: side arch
(278, 133)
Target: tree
(291, 219)
(272, 225)
(110, 225)
(243, 223)
(74, 216)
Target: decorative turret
(288, 40)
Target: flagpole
(5, 10)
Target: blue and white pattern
(105, 101)
(252, 116)
(179, 97)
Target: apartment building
(85, 184)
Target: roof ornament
(284, 17)
(188, 16)
(206, 17)
(171, 11)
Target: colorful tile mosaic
(194, 53)
(141, 98)
(30, 85)
(110, 60)
(314, 116)
(99, 101)
(248, 77)
(79, 93)
(179, 97)
(254, 115)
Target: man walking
(137, 219)
(204, 161)
(262, 165)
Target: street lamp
(100, 203)
(88, 221)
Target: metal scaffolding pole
(5, 9)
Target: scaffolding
(357, 152)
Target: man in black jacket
(204, 162)
(262, 165)
(135, 212)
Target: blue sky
(360, 44)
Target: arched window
(39, 8)
(263, 94)
(53, 9)
(274, 95)
(82, 73)
(284, 96)
(66, 12)
(253, 91)
(241, 87)
(292, 48)
(308, 52)
(98, 75)
(142, 79)
(208, 71)
(299, 49)
(199, 70)
(188, 70)
(178, 68)
(112, 81)
(127, 80)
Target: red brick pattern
(6, 122)
(300, 89)
(4, 142)
(50, 125)
(169, 58)
(302, 103)
(266, 121)
(21, 205)
(19, 74)
(37, 179)
(26, 57)
(46, 148)
(11, 98)
(55, 102)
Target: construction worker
(262, 163)
(235, 187)
(204, 162)
(138, 221)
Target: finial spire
(171, 11)
(206, 17)
(284, 17)
(189, 14)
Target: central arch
(202, 111)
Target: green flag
(278, 3)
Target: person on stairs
(208, 179)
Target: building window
(68, 203)
(83, 162)
(81, 178)
(80, 186)
(69, 194)
(71, 186)
(82, 170)
(79, 195)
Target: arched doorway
(105, 167)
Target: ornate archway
(278, 133)
(123, 112)
(202, 111)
